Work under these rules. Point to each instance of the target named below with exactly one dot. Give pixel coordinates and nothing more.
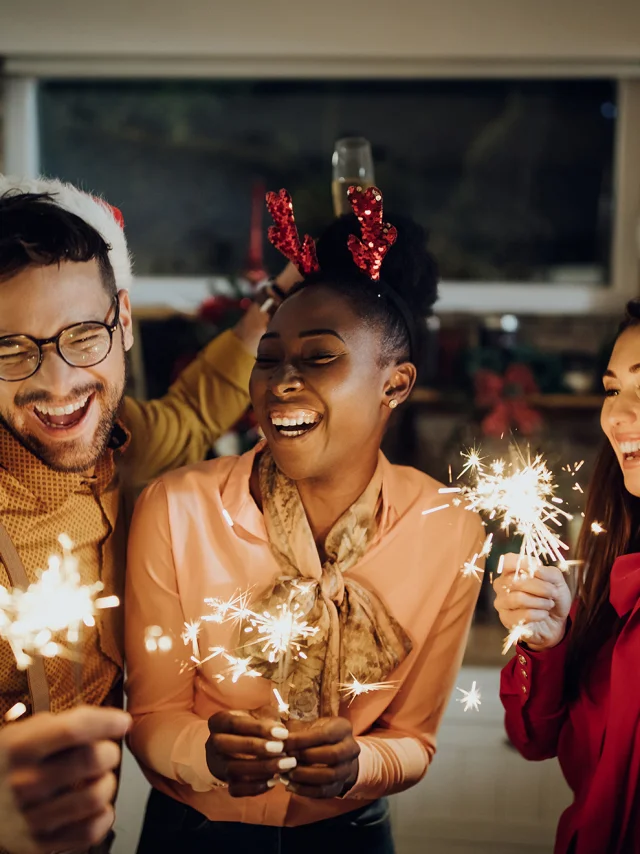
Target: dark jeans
(173, 828)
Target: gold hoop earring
(393, 403)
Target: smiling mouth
(63, 417)
(295, 424)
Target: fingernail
(284, 779)
(274, 747)
(271, 783)
(279, 732)
(287, 763)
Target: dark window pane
(513, 178)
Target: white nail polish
(279, 732)
(287, 763)
(274, 747)
(271, 783)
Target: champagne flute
(352, 165)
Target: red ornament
(284, 234)
(377, 236)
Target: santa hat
(97, 213)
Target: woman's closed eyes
(313, 359)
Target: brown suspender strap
(38, 685)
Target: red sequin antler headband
(377, 236)
(368, 251)
(284, 234)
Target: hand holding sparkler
(327, 758)
(260, 741)
(534, 607)
(57, 780)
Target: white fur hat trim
(94, 211)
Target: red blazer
(596, 737)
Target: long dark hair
(609, 503)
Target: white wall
(562, 30)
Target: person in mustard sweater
(70, 446)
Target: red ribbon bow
(505, 397)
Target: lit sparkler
(280, 633)
(470, 699)
(47, 618)
(597, 528)
(521, 495)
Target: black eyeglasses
(81, 345)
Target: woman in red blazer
(573, 689)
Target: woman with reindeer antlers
(316, 516)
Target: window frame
(21, 157)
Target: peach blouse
(197, 533)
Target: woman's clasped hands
(252, 751)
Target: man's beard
(75, 456)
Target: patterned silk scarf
(356, 637)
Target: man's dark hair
(36, 232)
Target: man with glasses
(69, 440)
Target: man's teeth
(61, 410)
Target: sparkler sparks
(485, 551)
(283, 708)
(435, 509)
(597, 528)
(470, 568)
(517, 633)
(237, 666)
(355, 688)
(50, 613)
(280, 633)
(470, 699)
(473, 461)
(521, 495)
(190, 636)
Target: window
(514, 179)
